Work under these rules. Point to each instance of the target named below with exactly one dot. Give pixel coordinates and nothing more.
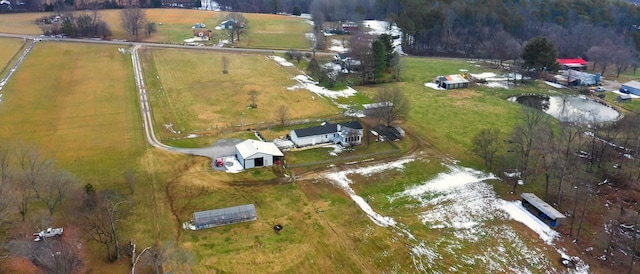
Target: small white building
(345, 134)
(254, 153)
(373, 108)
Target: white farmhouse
(254, 153)
(345, 134)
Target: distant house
(344, 134)
(631, 87)
(572, 63)
(452, 81)
(230, 24)
(347, 62)
(572, 77)
(201, 34)
(371, 109)
(254, 153)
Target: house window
(326, 136)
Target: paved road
(155, 45)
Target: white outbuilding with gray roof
(254, 153)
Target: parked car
(219, 162)
(49, 232)
(600, 89)
(624, 90)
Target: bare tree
(523, 137)
(486, 144)
(622, 60)
(225, 64)
(132, 20)
(253, 97)
(395, 105)
(32, 165)
(150, 28)
(56, 185)
(100, 217)
(282, 115)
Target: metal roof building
(223, 216)
(542, 210)
(254, 153)
(632, 87)
(452, 81)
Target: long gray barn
(542, 210)
(632, 87)
(222, 216)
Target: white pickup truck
(49, 232)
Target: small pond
(570, 108)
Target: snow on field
(518, 213)
(341, 180)
(283, 62)
(338, 46)
(553, 84)
(433, 86)
(304, 82)
(460, 203)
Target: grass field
(11, 48)
(264, 30)
(78, 104)
(78, 110)
(189, 90)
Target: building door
(258, 162)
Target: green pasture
(188, 90)
(77, 103)
(275, 31)
(11, 49)
(323, 232)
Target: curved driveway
(221, 148)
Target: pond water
(577, 109)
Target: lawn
(79, 110)
(189, 91)
(11, 48)
(449, 119)
(275, 31)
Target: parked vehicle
(600, 89)
(49, 232)
(624, 90)
(219, 162)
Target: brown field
(264, 31)
(10, 49)
(196, 95)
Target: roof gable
(249, 148)
(352, 125)
(319, 130)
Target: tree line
(588, 170)
(36, 194)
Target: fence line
(342, 159)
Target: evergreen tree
(540, 53)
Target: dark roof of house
(311, 131)
(352, 125)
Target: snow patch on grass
(304, 82)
